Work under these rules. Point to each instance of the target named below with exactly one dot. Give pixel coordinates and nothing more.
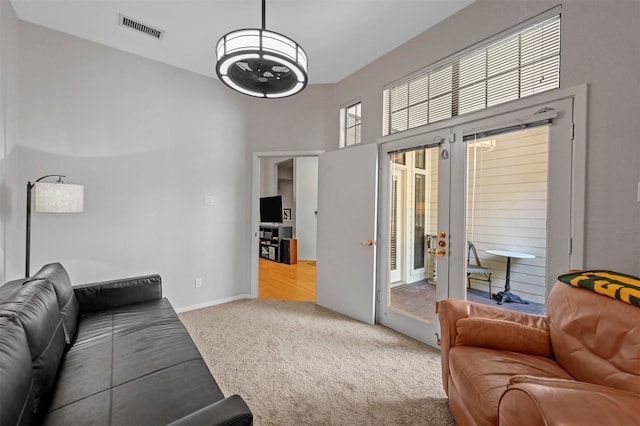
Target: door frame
(255, 206)
(416, 137)
(419, 329)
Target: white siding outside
(507, 207)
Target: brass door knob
(366, 243)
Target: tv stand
(271, 241)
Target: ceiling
(339, 36)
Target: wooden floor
(287, 282)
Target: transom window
(515, 66)
(351, 125)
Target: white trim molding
(213, 303)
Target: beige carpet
(296, 363)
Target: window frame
(344, 123)
(424, 106)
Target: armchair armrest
(99, 296)
(453, 310)
(558, 401)
(229, 411)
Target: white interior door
(347, 200)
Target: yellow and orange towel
(613, 284)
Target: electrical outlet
(198, 282)
(208, 200)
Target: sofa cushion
(482, 375)
(149, 339)
(86, 368)
(92, 410)
(16, 377)
(10, 286)
(36, 307)
(158, 398)
(67, 301)
(503, 335)
(594, 337)
(133, 354)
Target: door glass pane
(412, 288)
(397, 217)
(419, 221)
(506, 219)
(419, 154)
(393, 243)
(399, 158)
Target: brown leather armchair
(580, 364)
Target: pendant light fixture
(261, 63)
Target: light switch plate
(208, 200)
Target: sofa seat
(131, 350)
(485, 373)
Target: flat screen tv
(271, 209)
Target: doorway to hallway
(293, 176)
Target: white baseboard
(213, 302)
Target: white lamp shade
(59, 198)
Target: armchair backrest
(595, 338)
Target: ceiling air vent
(139, 26)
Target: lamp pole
(28, 236)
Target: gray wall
(305, 122)
(268, 176)
(601, 47)
(8, 123)
(148, 141)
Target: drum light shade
(59, 198)
(261, 63)
(56, 197)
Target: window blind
(518, 65)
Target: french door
(446, 208)
(416, 231)
(511, 192)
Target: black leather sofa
(110, 353)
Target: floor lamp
(57, 197)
